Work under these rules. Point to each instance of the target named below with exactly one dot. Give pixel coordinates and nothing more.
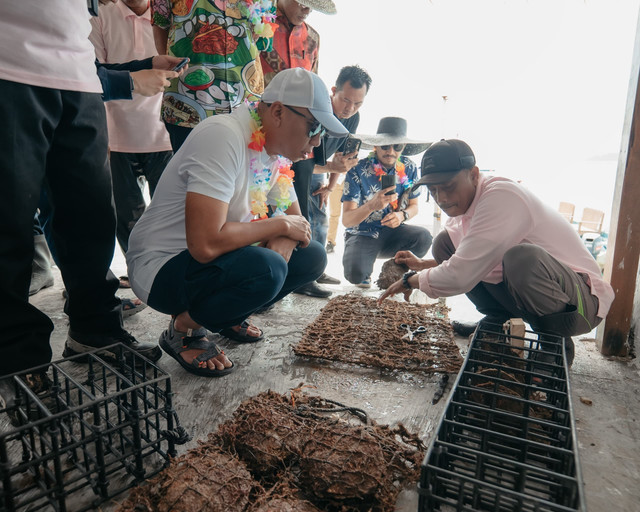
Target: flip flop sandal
(130, 308)
(242, 335)
(124, 282)
(175, 342)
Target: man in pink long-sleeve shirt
(512, 255)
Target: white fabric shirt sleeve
(214, 162)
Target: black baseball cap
(443, 159)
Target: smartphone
(182, 64)
(352, 144)
(386, 181)
(92, 5)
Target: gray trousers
(361, 252)
(546, 293)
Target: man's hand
(392, 219)
(149, 82)
(394, 289)
(409, 259)
(297, 228)
(323, 192)
(380, 200)
(413, 262)
(283, 246)
(342, 162)
(167, 63)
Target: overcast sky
(537, 88)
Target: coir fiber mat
(392, 335)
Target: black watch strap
(405, 278)
(405, 213)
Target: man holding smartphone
(371, 212)
(347, 96)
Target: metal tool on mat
(411, 332)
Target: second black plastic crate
(506, 441)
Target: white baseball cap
(298, 87)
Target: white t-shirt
(214, 161)
(45, 43)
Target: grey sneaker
(82, 343)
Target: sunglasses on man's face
(396, 147)
(315, 127)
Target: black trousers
(126, 168)
(361, 252)
(302, 183)
(56, 139)
(177, 134)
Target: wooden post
(623, 248)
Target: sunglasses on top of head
(396, 147)
(315, 128)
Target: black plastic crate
(98, 430)
(506, 441)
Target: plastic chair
(567, 210)
(591, 221)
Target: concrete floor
(608, 430)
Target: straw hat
(393, 130)
(323, 6)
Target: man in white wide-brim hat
(374, 218)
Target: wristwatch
(405, 213)
(405, 278)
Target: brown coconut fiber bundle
(204, 479)
(390, 273)
(264, 432)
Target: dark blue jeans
(317, 215)
(225, 291)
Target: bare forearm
(412, 210)
(330, 167)
(234, 235)
(160, 38)
(354, 217)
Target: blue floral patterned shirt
(362, 183)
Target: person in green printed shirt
(223, 40)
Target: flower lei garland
(400, 173)
(261, 15)
(262, 176)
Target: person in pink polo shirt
(511, 254)
(138, 139)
